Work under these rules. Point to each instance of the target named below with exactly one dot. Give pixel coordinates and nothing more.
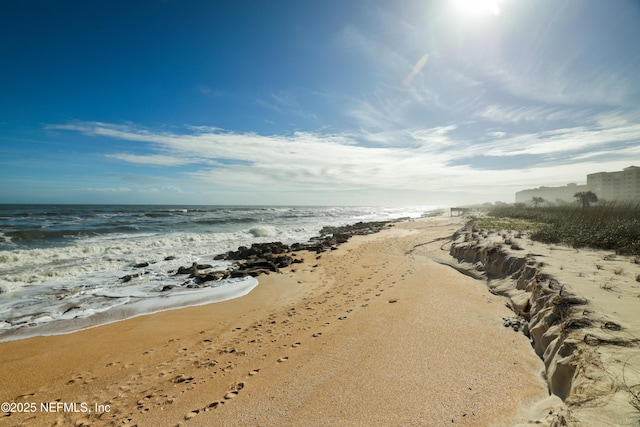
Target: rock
(238, 273)
(259, 250)
(141, 265)
(188, 270)
(260, 263)
(254, 272)
(128, 277)
(193, 270)
(203, 266)
(341, 238)
(359, 229)
(262, 258)
(283, 261)
(215, 276)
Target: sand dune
(580, 308)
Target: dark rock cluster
(262, 258)
(265, 258)
(357, 229)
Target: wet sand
(369, 334)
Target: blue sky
(432, 102)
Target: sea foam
(62, 282)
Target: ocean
(61, 266)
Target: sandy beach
(373, 333)
(320, 213)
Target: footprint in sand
(209, 407)
(317, 334)
(234, 390)
(24, 396)
(192, 414)
(77, 378)
(182, 378)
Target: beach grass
(610, 226)
(507, 223)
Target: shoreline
(201, 282)
(119, 314)
(362, 334)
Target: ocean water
(60, 265)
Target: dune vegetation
(611, 226)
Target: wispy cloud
(560, 85)
(108, 189)
(567, 140)
(529, 113)
(286, 102)
(426, 159)
(170, 188)
(151, 159)
(210, 91)
(437, 136)
(302, 160)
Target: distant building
(551, 194)
(621, 185)
(617, 186)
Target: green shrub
(612, 226)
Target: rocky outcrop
(357, 229)
(265, 258)
(257, 250)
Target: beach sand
(373, 333)
(581, 309)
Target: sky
(332, 102)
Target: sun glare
(476, 8)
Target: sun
(476, 8)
